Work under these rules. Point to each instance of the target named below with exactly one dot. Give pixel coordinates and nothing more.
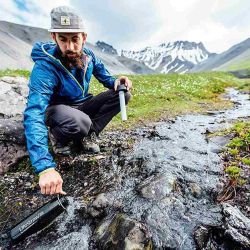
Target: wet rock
(10, 155)
(12, 131)
(201, 235)
(122, 232)
(195, 189)
(218, 143)
(157, 187)
(214, 112)
(101, 202)
(237, 225)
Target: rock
(12, 131)
(237, 225)
(122, 233)
(13, 93)
(201, 236)
(195, 189)
(4, 88)
(101, 202)
(12, 143)
(157, 187)
(219, 142)
(214, 112)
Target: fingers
(47, 189)
(117, 81)
(59, 189)
(52, 188)
(43, 190)
(127, 82)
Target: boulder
(13, 94)
(122, 233)
(157, 187)
(237, 225)
(12, 144)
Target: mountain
(106, 48)
(14, 53)
(175, 57)
(16, 43)
(237, 55)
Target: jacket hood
(44, 51)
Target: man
(59, 98)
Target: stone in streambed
(157, 187)
(122, 233)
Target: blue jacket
(50, 82)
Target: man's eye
(75, 40)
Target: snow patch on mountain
(179, 56)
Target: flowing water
(168, 182)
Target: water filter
(122, 89)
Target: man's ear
(53, 36)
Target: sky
(136, 24)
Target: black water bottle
(39, 219)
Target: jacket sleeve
(41, 85)
(102, 74)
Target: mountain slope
(14, 53)
(238, 63)
(178, 57)
(17, 41)
(220, 59)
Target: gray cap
(66, 19)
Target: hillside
(217, 61)
(238, 63)
(17, 41)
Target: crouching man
(59, 100)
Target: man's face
(70, 44)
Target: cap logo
(65, 20)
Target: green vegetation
(233, 171)
(162, 96)
(17, 72)
(237, 152)
(236, 160)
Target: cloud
(29, 12)
(121, 23)
(134, 25)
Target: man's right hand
(51, 182)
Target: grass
(162, 96)
(17, 72)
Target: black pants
(76, 121)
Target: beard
(71, 59)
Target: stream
(168, 183)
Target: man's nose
(70, 46)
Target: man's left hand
(125, 80)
